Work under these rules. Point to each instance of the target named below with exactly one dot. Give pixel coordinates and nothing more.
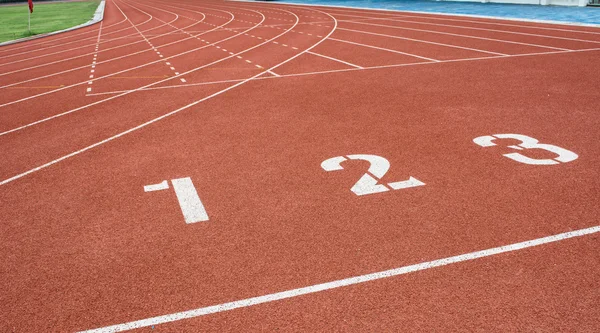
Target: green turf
(46, 17)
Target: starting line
(340, 283)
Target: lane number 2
(564, 155)
(368, 183)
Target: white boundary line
(342, 282)
(576, 24)
(383, 49)
(98, 16)
(356, 69)
(121, 71)
(77, 152)
(427, 42)
(335, 59)
(457, 35)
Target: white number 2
(527, 142)
(368, 183)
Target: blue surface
(587, 15)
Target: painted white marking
(191, 206)
(183, 80)
(527, 142)
(335, 59)
(92, 71)
(383, 49)
(368, 183)
(176, 73)
(411, 182)
(157, 187)
(239, 57)
(248, 61)
(168, 63)
(259, 66)
(424, 41)
(273, 73)
(457, 35)
(173, 68)
(91, 76)
(160, 55)
(89, 89)
(247, 302)
(159, 118)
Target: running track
(248, 100)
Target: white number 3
(527, 142)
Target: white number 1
(527, 142)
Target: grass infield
(46, 17)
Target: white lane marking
(144, 36)
(157, 187)
(533, 27)
(411, 182)
(335, 59)
(116, 136)
(448, 17)
(89, 89)
(62, 51)
(356, 69)
(273, 73)
(126, 92)
(424, 41)
(106, 61)
(189, 201)
(462, 36)
(384, 49)
(342, 282)
(183, 80)
(259, 66)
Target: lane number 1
(189, 201)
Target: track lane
(100, 272)
(272, 229)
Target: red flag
(30, 6)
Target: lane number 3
(564, 155)
(369, 182)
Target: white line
(157, 187)
(273, 73)
(356, 69)
(379, 11)
(460, 35)
(92, 146)
(109, 60)
(384, 49)
(341, 283)
(192, 208)
(424, 41)
(122, 71)
(335, 59)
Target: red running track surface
(234, 106)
